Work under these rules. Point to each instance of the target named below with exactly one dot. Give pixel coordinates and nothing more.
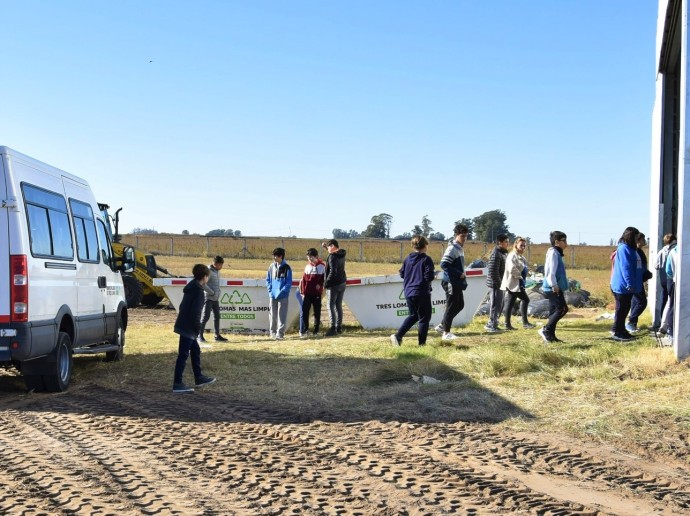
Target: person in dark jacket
(188, 326)
(417, 272)
(494, 277)
(639, 300)
(335, 283)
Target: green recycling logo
(235, 298)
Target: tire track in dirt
(119, 452)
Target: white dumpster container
(379, 301)
(243, 302)
(376, 301)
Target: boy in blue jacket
(555, 285)
(417, 272)
(187, 326)
(278, 283)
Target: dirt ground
(95, 451)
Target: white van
(60, 289)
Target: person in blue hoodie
(626, 281)
(278, 283)
(555, 285)
(417, 272)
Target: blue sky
(294, 118)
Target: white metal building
(670, 177)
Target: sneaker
(220, 338)
(449, 336)
(180, 388)
(622, 338)
(632, 328)
(490, 328)
(201, 338)
(204, 380)
(395, 341)
(439, 328)
(338, 330)
(528, 326)
(331, 332)
(509, 327)
(279, 337)
(666, 341)
(303, 335)
(544, 335)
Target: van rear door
(5, 206)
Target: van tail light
(19, 288)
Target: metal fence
(375, 251)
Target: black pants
(307, 303)
(639, 303)
(419, 308)
(557, 309)
(208, 307)
(455, 302)
(623, 303)
(511, 297)
(186, 348)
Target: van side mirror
(128, 260)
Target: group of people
(506, 279)
(317, 277)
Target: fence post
(572, 256)
(361, 251)
(172, 246)
(401, 251)
(136, 238)
(529, 255)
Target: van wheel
(61, 368)
(119, 339)
(134, 291)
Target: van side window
(49, 230)
(85, 231)
(104, 245)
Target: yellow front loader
(138, 283)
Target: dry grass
(634, 396)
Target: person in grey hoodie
(417, 272)
(212, 303)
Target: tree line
(482, 228)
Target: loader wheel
(151, 300)
(134, 291)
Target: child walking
(417, 272)
(188, 326)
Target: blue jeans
(208, 307)
(186, 348)
(419, 308)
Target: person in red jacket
(311, 288)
